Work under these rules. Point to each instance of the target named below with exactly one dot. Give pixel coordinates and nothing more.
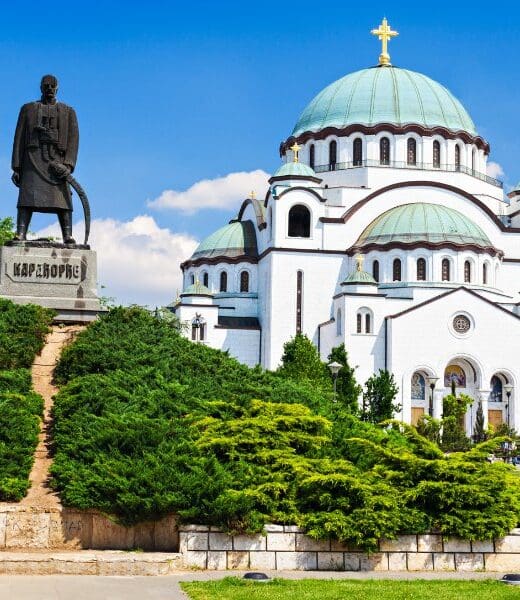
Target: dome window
(384, 151)
(421, 269)
(312, 153)
(457, 158)
(244, 281)
(467, 271)
(358, 152)
(484, 273)
(192, 279)
(473, 160)
(411, 151)
(205, 279)
(436, 154)
(223, 282)
(396, 269)
(375, 270)
(333, 155)
(299, 222)
(446, 274)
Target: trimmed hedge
(148, 423)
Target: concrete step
(89, 563)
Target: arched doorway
(418, 396)
(501, 400)
(464, 375)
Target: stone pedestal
(52, 275)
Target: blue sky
(171, 93)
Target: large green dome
(422, 222)
(238, 238)
(384, 95)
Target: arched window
(418, 387)
(364, 321)
(223, 282)
(467, 271)
(205, 279)
(299, 301)
(192, 279)
(421, 269)
(384, 151)
(311, 156)
(339, 324)
(436, 154)
(375, 270)
(333, 155)
(473, 160)
(244, 281)
(368, 323)
(359, 323)
(198, 329)
(358, 152)
(299, 221)
(396, 269)
(457, 157)
(446, 276)
(484, 273)
(496, 389)
(411, 151)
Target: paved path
(39, 494)
(166, 587)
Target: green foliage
(300, 360)
(378, 397)
(148, 423)
(479, 431)
(453, 434)
(6, 230)
(347, 388)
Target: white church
(381, 230)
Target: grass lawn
(232, 588)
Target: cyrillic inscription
(20, 269)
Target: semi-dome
(384, 94)
(295, 169)
(236, 239)
(196, 289)
(421, 222)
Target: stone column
(437, 403)
(484, 398)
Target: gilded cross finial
(359, 262)
(296, 149)
(252, 194)
(385, 33)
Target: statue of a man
(45, 149)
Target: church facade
(380, 230)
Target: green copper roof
(236, 239)
(384, 95)
(295, 168)
(359, 277)
(422, 222)
(196, 289)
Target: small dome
(295, 168)
(196, 289)
(384, 95)
(422, 222)
(358, 277)
(238, 238)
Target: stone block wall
(288, 548)
(26, 528)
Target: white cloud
(494, 170)
(219, 193)
(138, 261)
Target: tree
(6, 230)
(301, 360)
(378, 397)
(347, 388)
(479, 433)
(454, 409)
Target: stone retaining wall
(288, 548)
(26, 528)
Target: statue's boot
(65, 219)
(23, 219)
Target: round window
(461, 324)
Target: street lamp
(432, 381)
(335, 369)
(508, 388)
(196, 325)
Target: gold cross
(295, 148)
(359, 262)
(252, 194)
(385, 33)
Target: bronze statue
(45, 149)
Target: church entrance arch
(501, 400)
(465, 375)
(419, 392)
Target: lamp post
(196, 324)
(334, 369)
(432, 381)
(508, 388)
